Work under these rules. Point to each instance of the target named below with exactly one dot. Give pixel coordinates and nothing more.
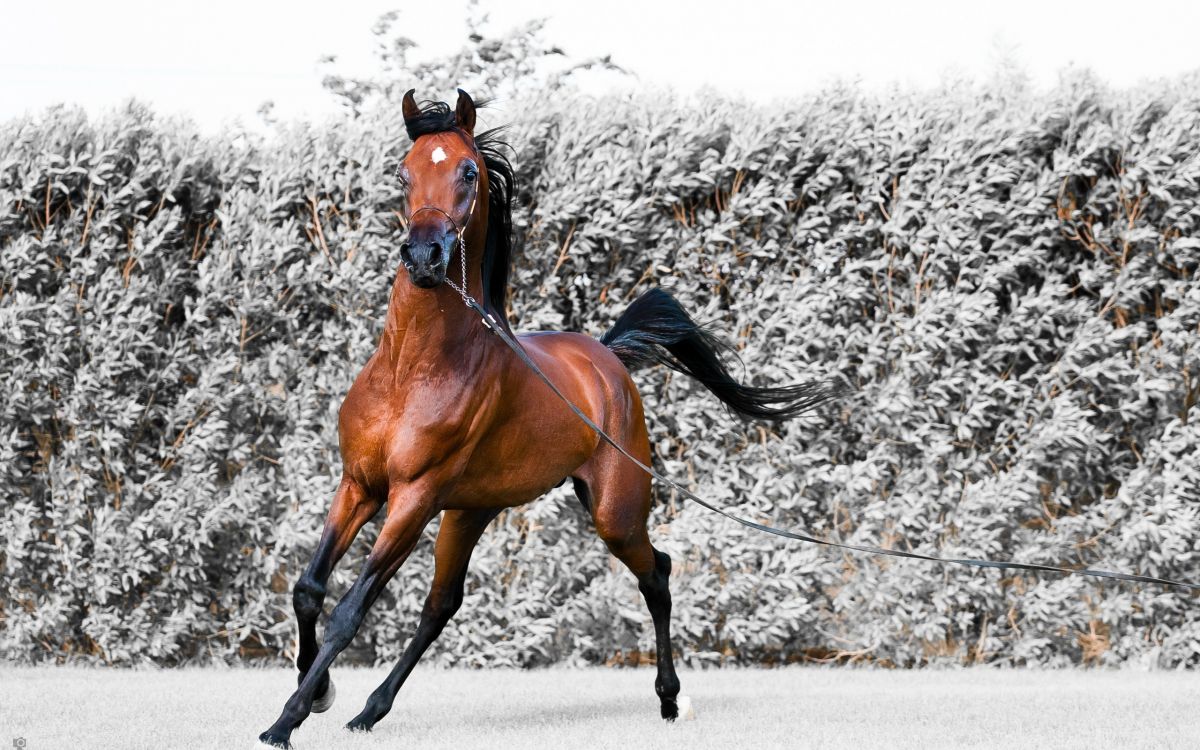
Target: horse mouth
(428, 279)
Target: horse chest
(397, 434)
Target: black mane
(438, 117)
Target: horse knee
(442, 604)
(307, 598)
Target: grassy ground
(606, 708)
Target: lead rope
(515, 345)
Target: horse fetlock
(371, 714)
(272, 740)
(667, 687)
(325, 696)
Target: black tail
(656, 330)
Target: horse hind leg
(620, 505)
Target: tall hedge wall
(1003, 280)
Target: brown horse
(446, 419)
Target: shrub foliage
(1003, 281)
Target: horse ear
(464, 113)
(409, 106)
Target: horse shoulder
(395, 426)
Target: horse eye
(470, 175)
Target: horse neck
(435, 323)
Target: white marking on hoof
(322, 704)
(687, 712)
(438, 155)
(296, 647)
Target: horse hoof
(268, 741)
(358, 725)
(668, 709)
(322, 704)
(687, 712)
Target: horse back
(534, 441)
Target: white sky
(219, 60)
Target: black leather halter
(461, 244)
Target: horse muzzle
(426, 258)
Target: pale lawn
(612, 708)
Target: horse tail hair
(655, 329)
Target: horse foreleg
(351, 509)
(396, 540)
(459, 532)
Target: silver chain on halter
(462, 253)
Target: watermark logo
(19, 743)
